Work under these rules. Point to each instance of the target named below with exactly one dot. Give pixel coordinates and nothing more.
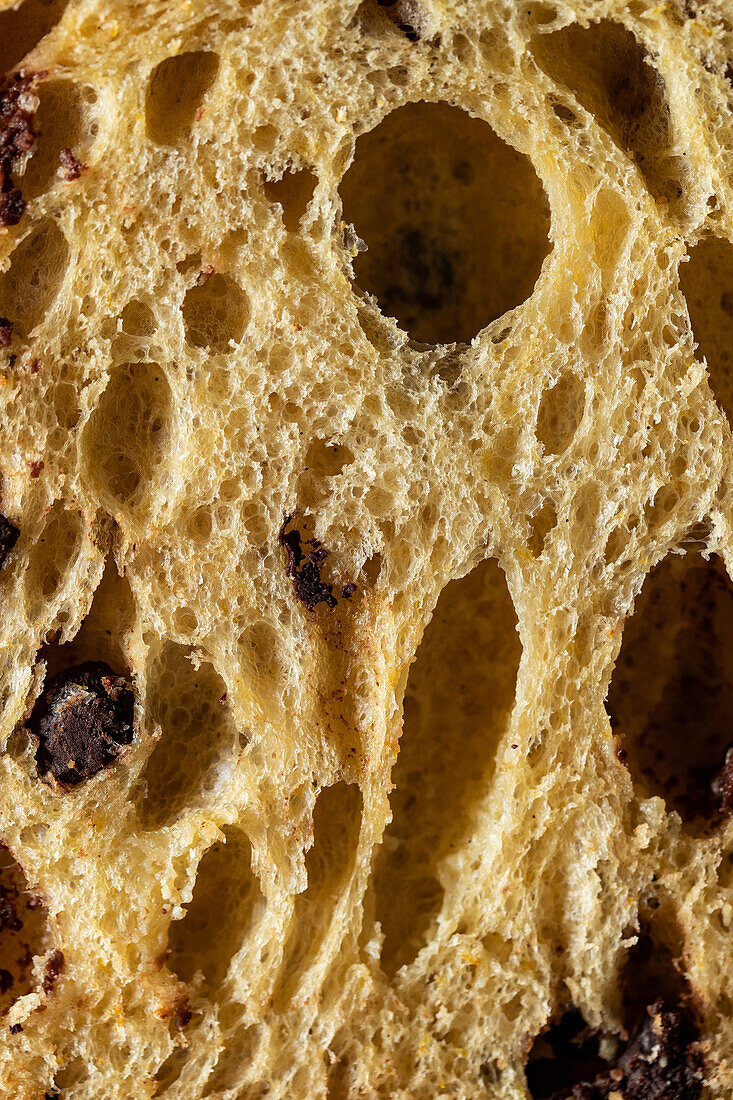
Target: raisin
(17, 137)
(8, 537)
(54, 966)
(6, 332)
(82, 719)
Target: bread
(367, 532)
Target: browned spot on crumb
(36, 466)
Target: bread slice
(367, 632)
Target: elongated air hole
(671, 695)
(706, 280)
(175, 93)
(458, 700)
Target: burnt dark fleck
(8, 537)
(304, 569)
(73, 167)
(348, 590)
(8, 909)
(54, 966)
(82, 720)
(6, 981)
(15, 1029)
(17, 137)
(6, 332)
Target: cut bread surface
(366, 384)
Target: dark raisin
(54, 966)
(81, 720)
(6, 332)
(304, 569)
(17, 137)
(73, 167)
(8, 537)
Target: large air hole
(671, 696)
(177, 87)
(707, 284)
(190, 705)
(612, 76)
(127, 439)
(329, 864)
(30, 285)
(215, 312)
(23, 28)
(102, 634)
(23, 931)
(455, 221)
(559, 414)
(226, 899)
(63, 121)
(458, 700)
(51, 555)
(293, 191)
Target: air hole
(176, 89)
(651, 973)
(707, 284)
(50, 556)
(540, 526)
(101, 636)
(225, 901)
(610, 74)
(63, 121)
(671, 696)
(23, 931)
(565, 1055)
(463, 682)
(329, 865)
(456, 222)
(127, 440)
(238, 1053)
(198, 733)
(138, 319)
(215, 311)
(22, 29)
(560, 412)
(265, 665)
(37, 266)
(172, 1068)
(293, 192)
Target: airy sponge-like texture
(366, 371)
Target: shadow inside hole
(23, 931)
(458, 700)
(175, 91)
(671, 694)
(22, 28)
(706, 280)
(456, 222)
(198, 733)
(226, 901)
(293, 191)
(613, 77)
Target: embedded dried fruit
(82, 719)
(305, 569)
(17, 137)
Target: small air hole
(560, 412)
(177, 87)
(293, 193)
(63, 121)
(455, 221)
(22, 28)
(215, 312)
(37, 267)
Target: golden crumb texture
(366, 534)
